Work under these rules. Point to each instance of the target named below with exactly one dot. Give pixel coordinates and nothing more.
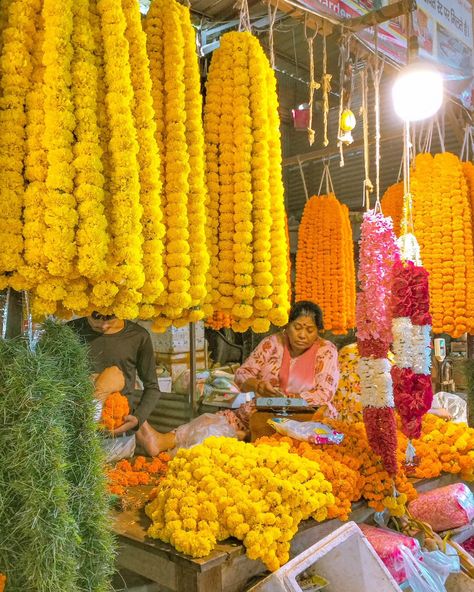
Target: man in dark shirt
(120, 350)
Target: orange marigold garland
(115, 408)
(392, 205)
(325, 261)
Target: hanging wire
(271, 17)
(326, 86)
(367, 186)
(6, 310)
(300, 165)
(313, 85)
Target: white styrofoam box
(345, 558)
(165, 384)
(175, 341)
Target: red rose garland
(411, 326)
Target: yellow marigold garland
(250, 280)
(16, 69)
(148, 160)
(125, 258)
(392, 205)
(197, 196)
(325, 270)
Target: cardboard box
(176, 363)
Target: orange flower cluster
(141, 472)
(392, 205)
(219, 320)
(115, 409)
(446, 447)
(325, 271)
(468, 170)
(354, 471)
(3, 581)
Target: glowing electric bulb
(417, 92)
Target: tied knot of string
(313, 85)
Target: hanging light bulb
(417, 92)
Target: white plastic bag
(443, 564)
(454, 405)
(420, 577)
(306, 431)
(202, 427)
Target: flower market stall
(149, 152)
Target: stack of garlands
(378, 253)
(247, 236)
(83, 223)
(114, 410)
(177, 101)
(392, 205)
(325, 271)
(441, 187)
(224, 488)
(139, 472)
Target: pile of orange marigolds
(138, 472)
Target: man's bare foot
(154, 442)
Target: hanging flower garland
(378, 252)
(411, 345)
(325, 271)
(392, 205)
(148, 160)
(249, 266)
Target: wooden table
(227, 568)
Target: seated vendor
(296, 362)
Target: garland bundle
(392, 205)
(443, 216)
(179, 133)
(411, 326)
(378, 253)
(52, 489)
(247, 238)
(83, 220)
(325, 271)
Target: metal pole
(192, 370)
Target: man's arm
(146, 370)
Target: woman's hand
(130, 422)
(266, 389)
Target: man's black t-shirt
(130, 350)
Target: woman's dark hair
(305, 308)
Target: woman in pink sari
(295, 363)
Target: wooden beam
(327, 153)
(379, 16)
(312, 20)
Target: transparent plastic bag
(419, 576)
(202, 427)
(454, 405)
(441, 563)
(444, 508)
(307, 431)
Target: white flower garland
(421, 349)
(412, 345)
(376, 382)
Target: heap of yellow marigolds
(225, 488)
(247, 224)
(325, 271)
(442, 188)
(104, 187)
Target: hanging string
(326, 177)
(6, 310)
(368, 186)
(271, 18)
(302, 178)
(440, 129)
(376, 72)
(342, 68)
(244, 17)
(467, 144)
(326, 87)
(29, 319)
(313, 85)
(407, 218)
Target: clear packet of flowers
(306, 431)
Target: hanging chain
(313, 85)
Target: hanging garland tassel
(378, 252)
(325, 270)
(248, 242)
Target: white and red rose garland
(378, 253)
(411, 324)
